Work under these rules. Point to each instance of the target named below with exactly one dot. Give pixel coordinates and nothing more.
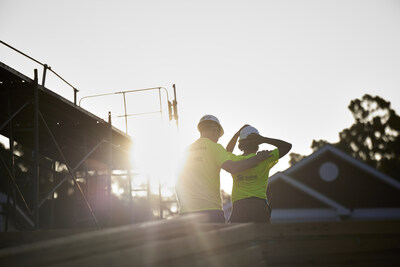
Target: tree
(373, 138)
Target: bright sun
(156, 153)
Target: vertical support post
(14, 191)
(75, 95)
(45, 67)
(36, 151)
(148, 194)
(109, 167)
(125, 115)
(175, 105)
(159, 178)
(160, 199)
(7, 208)
(52, 196)
(10, 189)
(130, 194)
(90, 198)
(159, 98)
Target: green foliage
(373, 138)
(295, 157)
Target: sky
(289, 68)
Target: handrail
(131, 91)
(124, 92)
(45, 68)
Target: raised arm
(232, 143)
(239, 166)
(283, 147)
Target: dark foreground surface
(185, 241)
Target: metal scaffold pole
(10, 188)
(110, 168)
(36, 151)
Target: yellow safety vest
(198, 185)
(253, 182)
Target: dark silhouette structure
(62, 144)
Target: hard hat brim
(221, 130)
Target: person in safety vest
(249, 190)
(198, 185)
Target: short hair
(247, 145)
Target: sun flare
(156, 152)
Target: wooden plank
(11, 239)
(96, 242)
(379, 258)
(237, 256)
(328, 243)
(325, 246)
(186, 240)
(164, 250)
(327, 228)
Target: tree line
(373, 138)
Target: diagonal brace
(73, 170)
(15, 114)
(69, 169)
(15, 185)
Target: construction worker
(198, 184)
(249, 191)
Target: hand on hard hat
(246, 131)
(254, 138)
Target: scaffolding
(53, 131)
(63, 147)
(172, 115)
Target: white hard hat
(246, 131)
(209, 117)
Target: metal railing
(172, 106)
(45, 68)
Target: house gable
(283, 195)
(350, 188)
(349, 184)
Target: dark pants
(211, 216)
(252, 209)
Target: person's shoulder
(235, 157)
(275, 152)
(195, 143)
(208, 142)
(247, 156)
(271, 161)
(241, 157)
(219, 148)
